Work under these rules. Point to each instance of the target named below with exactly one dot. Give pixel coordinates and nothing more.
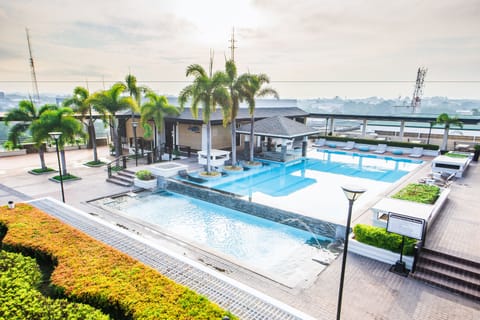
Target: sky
(308, 48)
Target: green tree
(447, 121)
(156, 108)
(236, 89)
(79, 103)
(252, 88)
(60, 120)
(208, 91)
(108, 103)
(25, 115)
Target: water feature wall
(319, 227)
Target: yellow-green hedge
(89, 271)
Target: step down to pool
(122, 178)
(452, 273)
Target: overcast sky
(309, 48)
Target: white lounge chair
(349, 145)
(319, 143)
(417, 152)
(381, 148)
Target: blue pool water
(257, 243)
(278, 179)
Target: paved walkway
(370, 290)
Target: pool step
(122, 178)
(449, 272)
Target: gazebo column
(304, 146)
(284, 149)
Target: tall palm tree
(60, 120)
(25, 115)
(235, 86)
(252, 88)
(447, 121)
(156, 108)
(79, 103)
(207, 90)
(108, 103)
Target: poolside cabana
(277, 137)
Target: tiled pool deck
(370, 291)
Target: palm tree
(108, 103)
(235, 86)
(79, 103)
(25, 115)
(61, 120)
(447, 121)
(207, 91)
(156, 108)
(252, 88)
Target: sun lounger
(417, 152)
(381, 148)
(349, 145)
(363, 147)
(319, 143)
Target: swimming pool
(281, 252)
(312, 186)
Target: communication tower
(232, 45)
(418, 92)
(32, 69)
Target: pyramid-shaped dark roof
(278, 127)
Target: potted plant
(476, 152)
(145, 179)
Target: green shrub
(19, 278)
(85, 270)
(380, 238)
(419, 192)
(144, 175)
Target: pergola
(284, 131)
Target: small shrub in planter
(144, 175)
(380, 238)
(419, 192)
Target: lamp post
(134, 125)
(352, 193)
(56, 135)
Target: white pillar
(402, 129)
(364, 128)
(332, 128)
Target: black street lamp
(134, 125)
(56, 136)
(352, 193)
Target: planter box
(145, 184)
(378, 254)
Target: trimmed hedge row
(398, 144)
(380, 238)
(418, 192)
(91, 272)
(19, 279)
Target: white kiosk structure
(217, 157)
